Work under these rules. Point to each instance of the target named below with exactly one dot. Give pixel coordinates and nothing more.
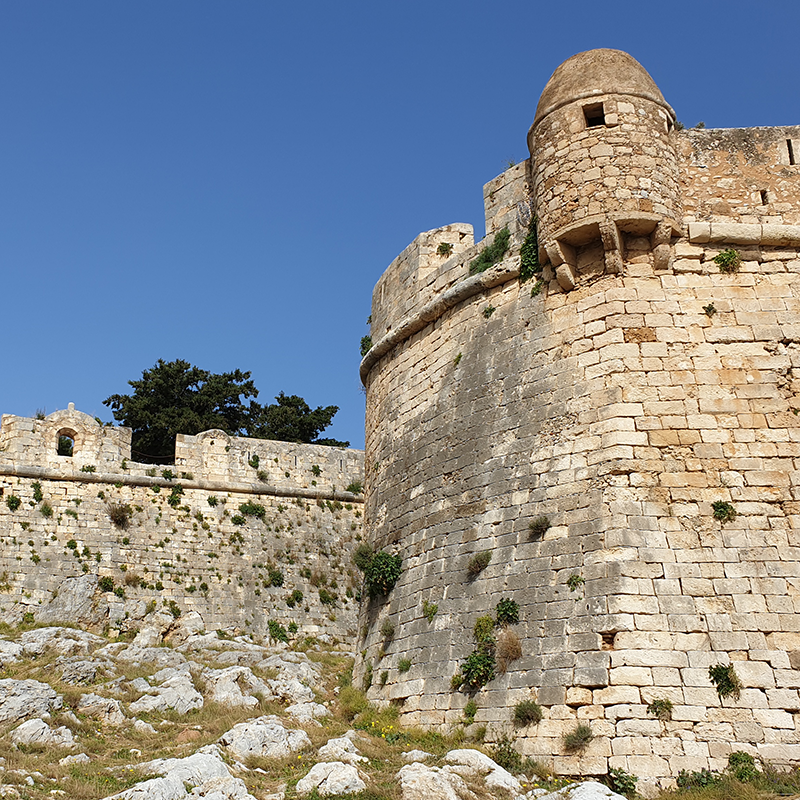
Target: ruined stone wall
(188, 544)
(622, 410)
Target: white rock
(10, 652)
(187, 625)
(495, 776)
(590, 790)
(79, 758)
(416, 755)
(234, 686)
(420, 782)
(65, 641)
(160, 657)
(263, 736)
(290, 690)
(76, 602)
(341, 749)
(293, 665)
(204, 773)
(142, 726)
(307, 712)
(147, 636)
(23, 699)
(176, 693)
(38, 732)
(104, 709)
(331, 778)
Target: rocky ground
(178, 712)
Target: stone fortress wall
(637, 388)
(235, 569)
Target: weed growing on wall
(529, 265)
(728, 260)
(37, 491)
(366, 345)
(119, 514)
(724, 677)
(444, 249)
(539, 527)
(429, 610)
(277, 632)
(723, 511)
(479, 562)
(621, 782)
(491, 254)
(660, 709)
(356, 487)
(404, 665)
(578, 739)
(528, 712)
(575, 582)
(13, 502)
(381, 570)
(507, 612)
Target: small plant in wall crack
(444, 249)
(366, 345)
(479, 562)
(488, 311)
(574, 582)
(491, 254)
(723, 511)
(528, 712)
(709, 310)
(728, 261)
(660, 708)
(507, 612)
(577, 740)
(724, 677)
(429, 610)
(539, 527)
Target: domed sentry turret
(603, 164)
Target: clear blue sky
(224, 182)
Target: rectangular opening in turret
(790, 148)
(595, 115)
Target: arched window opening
(65, 442)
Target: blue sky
(224, 182)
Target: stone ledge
(44, 473)
(744, 233)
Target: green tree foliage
(175, 397)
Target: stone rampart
(242, 531)
(651, 413)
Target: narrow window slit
(790, 148)
(594, 115)
(764, 197)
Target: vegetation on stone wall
(491, 254)
(724, 677)
(728, 260)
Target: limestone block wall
(747, 175)
(188, 543)
(621, 410)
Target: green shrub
(316, 470)
(238, 519)
(574, 581)
(724, 677)
(470, 710)
(578, 739)
(327, 598)
(723, 512)
(387, 629)
(294, 598)
(538, 527)
(404, 665)
(277, 632)
(479, 562)
(27, 618)
(478, 669)
(119, 514)
(382, 573)
(528, 712)
(529, 254)
(505, 754)
(37, 491)
(488, 311)
(356, 487)
(254, 462)
(366, 345)
(72, 545)
(13, 502)
(742, 766)
(728, 260)
(621, 782)
(46, 510)
(444, 249)
(429, 610)
(362, 557)
(484, 629)
(661, 709)
(106, 584)
(253, 510)
(292, 627)
(507, 611)
(174, 498)
(491, 254)
(276, 578)
(212, 500)
(697, 780)
(384, 677)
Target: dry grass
(508, 649)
